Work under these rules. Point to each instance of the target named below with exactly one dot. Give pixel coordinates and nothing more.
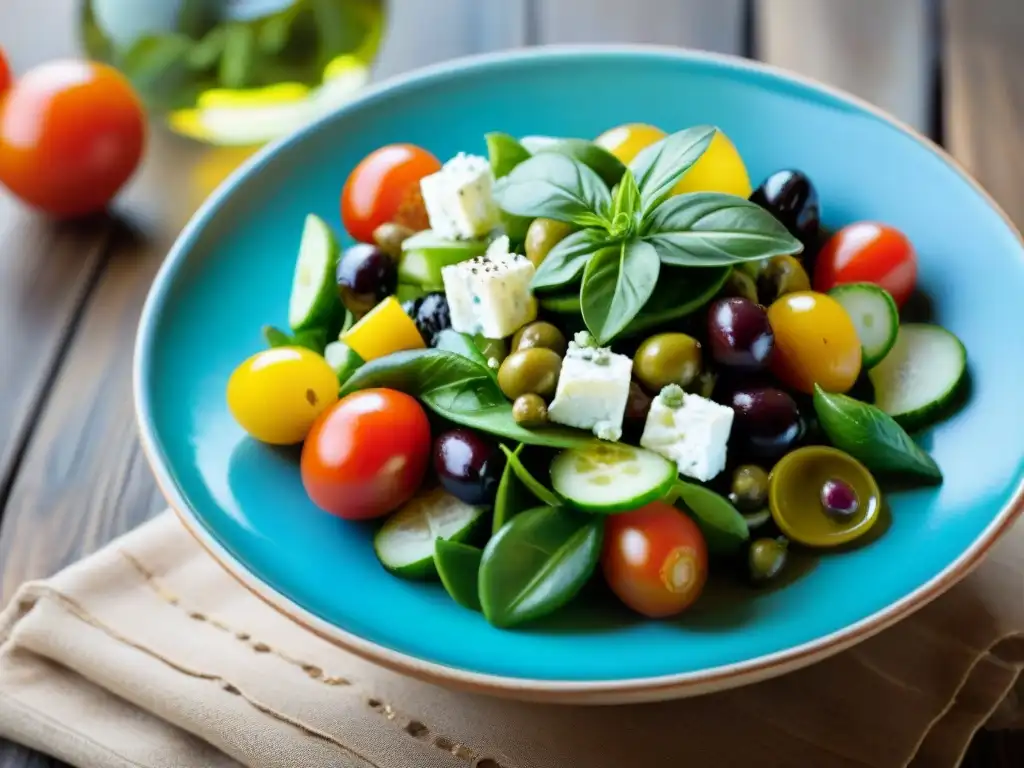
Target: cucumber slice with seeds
(874, 315)
(611, 477)
(314, 300)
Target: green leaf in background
(554, 186)
(458, 565)
(505, 153)
(598, 159)
(659, 167)
(680, 292)
(566, 260)
(205, 54)
(273, 34)
(341, 27)
(512, 496)
(157, 67)
(723, 526)
(872, 437)
(239, 56)
(617, 283)
(196, 18)
(705, 229)
(532, 484)
(537, 563)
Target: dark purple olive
(767, 422)
(468, 466)
(431, 315)
(838, 499)
(791, 198)
(739, 334)
(365, 276)
(638, 403)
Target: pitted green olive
(781, 275)
(749, 491)
(667, 358)
(542, 236)
(740, 285)
(530, 411)
(389, 238)
(529, 371)
(540, 334)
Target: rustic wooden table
(71, 472)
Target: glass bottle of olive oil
(237, 72)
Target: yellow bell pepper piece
(383, 330)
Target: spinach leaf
(705, 229)
(680, 292)
(458, 389)
(505, 153)
(616, 285)
(872, 437)
(458, 565)
(461, 344)
(723, 526)
(598, 159)
(532, 484)
(512, 496)
(536, 563)
(556, 187)
(659, 167)
(566, 260)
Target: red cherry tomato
(367, 454)
(868, 252)
(71, 135)
(655, 559)
(5, 73)
(384, 187)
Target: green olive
(530, 411)
(540, 334)
(529, 371)
(749, 491)
(390, 236)
(667, 358)
(542, 236)
(740, 285)
(766, 558)
(781, 275)
(493, 350)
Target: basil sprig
(626, 240)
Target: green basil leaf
(462, 344)
(458, 389)
(659, 167)
(512, 496)
(275, 337)
(505, 153)
(680, 292)
(537, 563)
(616, 285)
(872, 437)
(566, 260)
(553, 186)
(706, 229)
(723, 526)
(532, 484)
(627, 197)
(458, 565)
(516, 228)
(598, 159)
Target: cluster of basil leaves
(636, 245)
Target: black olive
(739, 334)
(791, 198)
(365, 276)
(767, 422)
(468, 466)
(431, 315)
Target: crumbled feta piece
(459, 198)
(490, 295)
(690, 430)
(592, 391)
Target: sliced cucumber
(921, 376)
(343, 359)
(610, 477)
(458, 565)
(314, 300)
(405, 543)
(425, 254)
(874, 315)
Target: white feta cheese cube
(459, 198)
(592, 390)
(690, 430)
(490, 295)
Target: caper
(766, 558)
(781, 275)
(740, 285)
(541, 236)
(540, 334)
(749, 491)
(667, 358)
(494, 350)
(529, 371)
(530, 411)
(390, 236)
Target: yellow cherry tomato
(277, 394)
(626, 141)
(720, 169)
(815, 342)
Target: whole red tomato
(868, 252)
(5, 73)
(655, 559)
(384, 187)
(71, 135)
(367, 454)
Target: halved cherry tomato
(367, 454)
(5, 73)
(655, 559)
(71, 135)
(868, 252)
(384, 187)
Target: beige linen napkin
(148, 655)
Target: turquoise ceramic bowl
(229, 274)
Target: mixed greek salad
(614, 356)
